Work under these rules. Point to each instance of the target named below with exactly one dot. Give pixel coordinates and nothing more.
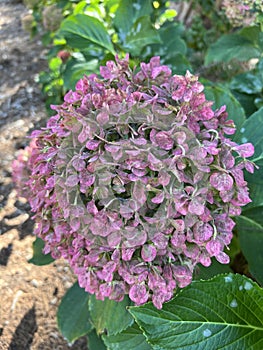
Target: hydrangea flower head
(134, 181)
(242, 13)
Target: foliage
(226, 312)
(94, 31)
(225, 48)
(228, 304)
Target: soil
(30, 294)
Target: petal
(164, 140)
(148, 252)
(138, 294)
(221, 181)
(245, 150)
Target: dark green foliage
(39, 258)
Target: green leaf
(255, 184)
(247, 83)
(75, 70)
(73, 314)
(252, 131)
(246, 101)
(205, 273)
(178, 63)
(39, 258)
(141, 34)
(172, 49)
(95, 342)
(81, 30)
(222, 96)
(250, 234)
(172, 42)
(225, 312)
(55, 64)
(109, 316)
(255, 214)
(127, 14)
(80, 7)
(131, 338)
(232, 46)
(253, 34)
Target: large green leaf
(225, 313)
(172, 42)
(255, 184)
(39, 258)
(178, 63)
(222, 96)
(127, 14)
(81, 30)
(109, 316)
(253, 34)
(247, 83)
(232, 46)
(252, 131)
(172, 49)
(255, 214)
(73, 314)
(131, 338)
(141, 34)
(95, 342)
(250, 234)
(246, 101)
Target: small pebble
(53, 301)
(68, 284)
(34, 283)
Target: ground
(30, 295)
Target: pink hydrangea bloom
(242, 12)
(134, 182)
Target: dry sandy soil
(29, 294)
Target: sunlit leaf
(81, 30)
(225, 312)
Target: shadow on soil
(24, 333)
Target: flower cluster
(240, 13)
(134, 182)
